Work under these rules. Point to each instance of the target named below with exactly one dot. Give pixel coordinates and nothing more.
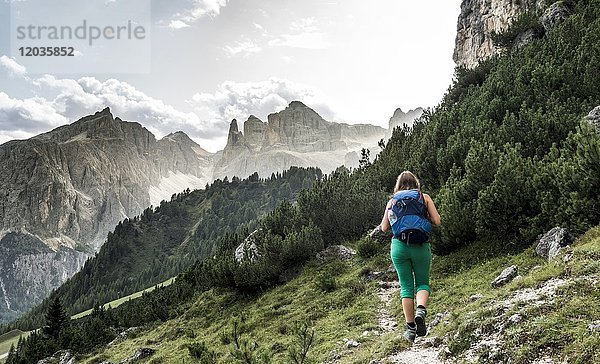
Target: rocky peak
(296, 105)
(298, 127)
(182, 140)
(400, 117)
(234, 136)
(254, 132)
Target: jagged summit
(183, 140)
(398, 112)
(179, 136)
(296, 104)
(253, 119)
(233, 126)
(400, 118)
(294, 136)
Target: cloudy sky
(214, 60)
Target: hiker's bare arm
(434, 216)
(385, 222)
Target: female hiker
(410, 214)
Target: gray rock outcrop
(60, 357)
(335, 252)
(247, 248)
(549, 245)
(594, 117)
(554, 14)
(505, 277)
(525, 38)
(476, 22)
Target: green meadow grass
(9, 339)
(122, 300)
(348, 307)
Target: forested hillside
(506, 155)
(163, 241)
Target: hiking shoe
(420, 321)
(410, 334)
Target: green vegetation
(505, 156)
(120, 301)
(8, 340)
(164, 241)
(558, 327)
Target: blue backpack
(408, 217)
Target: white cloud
(27, 117)
(238, 100)
(199, 9)
(244, 48)
(304, 34)
(12, 66)
(310, 40)
(72, 99)
(305, 25)
(178, 24)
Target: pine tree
(56, 319)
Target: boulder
(335, 252)
(351, 344)
(475, 297)
(141, 353)
(594, 117)
(122, 336)
(554, 14)
(551, 242)
(595, 327)
(515, 319)
(439, 317)
(505, 277)
(247, 248)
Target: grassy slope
(556, 328)
(12, 337)
(9, 339)
(119, 301)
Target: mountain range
(64, 190)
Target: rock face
(295, 136)
(551, 242)
(477, 19)
(64, 190)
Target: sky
(205, 62)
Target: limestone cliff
(477, 19)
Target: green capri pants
(412, 263)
